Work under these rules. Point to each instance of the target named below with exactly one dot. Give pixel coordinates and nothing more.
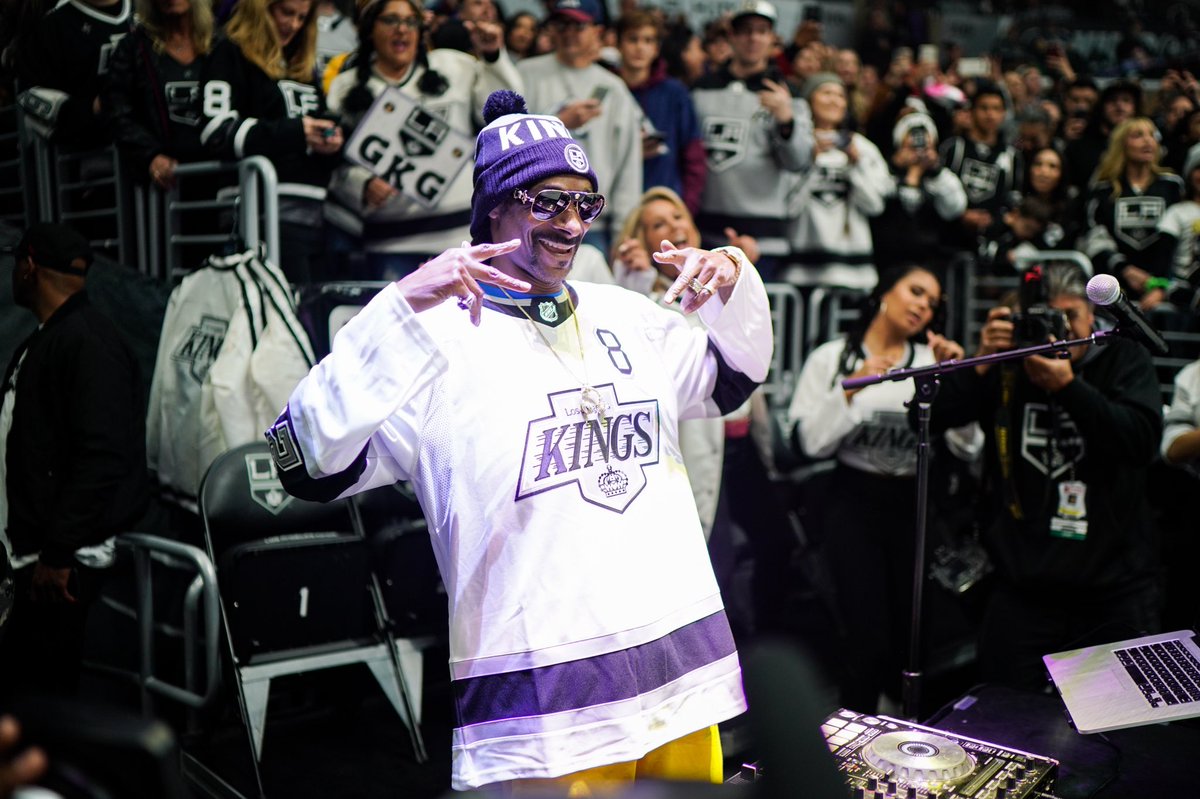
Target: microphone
(1105, 290)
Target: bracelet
(737, 264)
(1157, 283)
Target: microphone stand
(927, 380)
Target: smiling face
(663, 219)
(396, 35)
(908, 306)
(548, 247)
(828, 104)
(289, 17)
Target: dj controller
(882, 758)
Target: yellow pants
(695, 758)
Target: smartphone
(599, 93)
(813, 13)
(973, 67)
(928, 54)
(919, 138)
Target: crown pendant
(591, 404)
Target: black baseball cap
(55, 246)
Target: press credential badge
(1070, 521)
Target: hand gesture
(578, 113)
(944, 349)
(776, 98)
(457, 273)
(701, 274)
(486, 37)
(377, 192)
(747, 244)
(634, 256)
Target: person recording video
(1068, 443)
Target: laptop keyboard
(1165, 672)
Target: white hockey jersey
(586, 627)
(230, 351)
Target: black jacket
(76, 452)
(1109, 424)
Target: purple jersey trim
(594, 681)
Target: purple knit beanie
(515, 151)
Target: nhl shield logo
(605, 459)
(725, 142)
(548, 310)
(422, 132)
(265, 488)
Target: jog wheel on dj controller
(885, 758)
(918, 757)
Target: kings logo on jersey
(725, 142)
(605, 459)
(1051, 452)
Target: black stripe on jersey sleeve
(289, 464)
(732, 387)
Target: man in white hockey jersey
(538, 423)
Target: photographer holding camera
(1068, 443)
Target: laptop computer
(1145, 680)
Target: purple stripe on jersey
(732, 387)
(593, 681)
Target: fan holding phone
(831, 234)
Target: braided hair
(869, 308)
(359, 98)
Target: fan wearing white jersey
(538, 423)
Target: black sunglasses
(549, 203)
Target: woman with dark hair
(521, 35)
(397, 232)
(1046, 179)
(683, 53)
(279, 116)
(867, 529)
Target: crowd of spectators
(872, 170)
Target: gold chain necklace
(590, 402)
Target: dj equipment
(885, 758)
